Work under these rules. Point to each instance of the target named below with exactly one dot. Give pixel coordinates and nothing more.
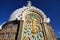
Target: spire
(29, 3)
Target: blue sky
(50, 7)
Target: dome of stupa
(21, 12)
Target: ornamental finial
(29, 3)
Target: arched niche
(32, 29)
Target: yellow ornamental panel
(32, 27)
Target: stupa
(27, 23)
